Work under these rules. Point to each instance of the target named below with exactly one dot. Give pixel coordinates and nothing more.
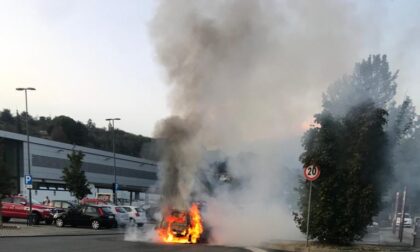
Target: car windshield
(35, 202)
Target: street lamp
(114, 189)
(27, 143)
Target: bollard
(416, 240)
(30, 220)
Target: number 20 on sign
(312, 172)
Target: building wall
(48, 159)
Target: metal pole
(402, 215)
(309, 214)
(394, 221)
(29, 155)
(115, 164)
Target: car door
(84, 218)
(89, 215)
(20, 207)
(76, 216)
(7, 204)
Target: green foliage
(74, 176)
(65, 129)
(353, 145)
(371, 80)
(352, 155)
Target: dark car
(60, 206)
(87, 215)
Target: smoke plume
(245, 76)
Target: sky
(95, 59)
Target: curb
(291, 247)
(56, 235)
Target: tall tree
(75, 177)
(352, 154)
(5, 182)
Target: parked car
(59, 206)
(18, 207)
(136, 215)
(408, 221)
(121, 215)
(87, 215)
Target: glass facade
(11, 157)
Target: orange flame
(190, 234)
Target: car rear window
(128, 209)
(7, 200)
(107, 210)
(120, 210)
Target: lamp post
(27, 143)
(114, 189)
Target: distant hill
(67, 130)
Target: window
(57, 204)
(90, 210)
(19, 200)
(120, 210)
(107, 210)
(66, 205)
(7, 200)
(127, 209)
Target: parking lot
(19, 228)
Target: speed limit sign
(312, 172)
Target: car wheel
(95, 224)
(59, 222)
(6, 219)
(49, 221)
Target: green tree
(5, 182)
(75, 177)
(371, 80)
(352, 154)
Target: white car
(121, 215)
(136, 215)
(408, 221)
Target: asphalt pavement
(107, 243)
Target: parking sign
(28, 181)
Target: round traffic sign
(312, 172)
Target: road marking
(255, 249)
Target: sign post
(311, 173)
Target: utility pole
(394, 221)
(401, 231)
(27, 144)
(114, 187)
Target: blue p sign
(28, 180)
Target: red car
(18, 207)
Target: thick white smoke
(246, 74)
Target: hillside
(67, 130)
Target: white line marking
(255, 249)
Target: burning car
(181, 226)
